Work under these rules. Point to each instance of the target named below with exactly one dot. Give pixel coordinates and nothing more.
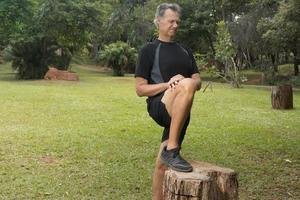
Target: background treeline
(227, 35)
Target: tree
(67, 24)
(283, 30)
(128, 23)
(225, 51)
(198, 26)
(15, 19)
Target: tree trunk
(282, 97)
(296, 62)
(206, 182)
(211, 44)
(274, 63)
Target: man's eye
(173, 22)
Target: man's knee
(188, 85)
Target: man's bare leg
(158, 175)
(178, 103)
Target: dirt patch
(50, 160)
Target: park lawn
(93, 139)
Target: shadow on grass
(10, 77)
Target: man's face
(168, 24)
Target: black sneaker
(172, 159)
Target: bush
(119, 56)
(61, 58)
(31, 57)
(200, 60)
(274, 78)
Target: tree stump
(282, 97)
(206, 182)
(55, 74)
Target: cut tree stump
(206, 182)
(55, 74)
(282, 97)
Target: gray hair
(161, 9)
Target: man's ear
(158, 20)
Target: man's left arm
(196, 77)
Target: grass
(93, 139)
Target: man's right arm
(144, 89)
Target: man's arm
(196, 77)
(144, 89)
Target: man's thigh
(168, 99)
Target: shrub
(31, 57)
(118, 55)
(200, 60)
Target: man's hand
(175, 80)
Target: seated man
(167, 74)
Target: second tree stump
(282, 97)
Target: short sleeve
(194, 64)
(144, 62)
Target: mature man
(167, 74)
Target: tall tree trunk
(211, 44)
(296, 62)
(274, 63)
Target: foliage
(68, 22)
(282, 32)
(225, 52)
(30, 58)
(15, 18)
(118, 55)
(198, 27)
(262, 31)
(200, 60)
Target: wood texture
(55, 74)
(282, 97)
(206, 182)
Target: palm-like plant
(118, 55)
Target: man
(167, 74)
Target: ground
(93, 139)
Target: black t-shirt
(159, 61)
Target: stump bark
(55, 74)
(282, 97)
(206, 182)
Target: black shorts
(158, 112)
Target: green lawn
(93, 139)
